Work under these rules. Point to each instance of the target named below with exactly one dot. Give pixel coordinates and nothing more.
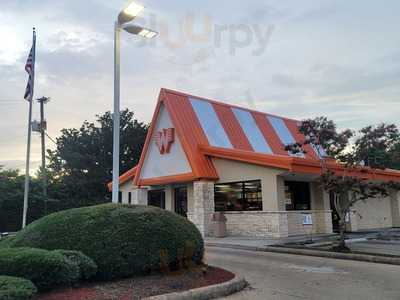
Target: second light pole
(125, 16)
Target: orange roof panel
(192, 123)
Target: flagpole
(28, 150)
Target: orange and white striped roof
(207, 128)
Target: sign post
(308, 224)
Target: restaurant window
(119, 197)
(130, 198)
(238, 196)
(297, 195)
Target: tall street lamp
(125, 16)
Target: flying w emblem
(164, 140)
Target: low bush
(123, 240)
(14, 288)
(46, 269)
(87, 267)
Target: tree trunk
(342, 232)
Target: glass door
(157, 198)
(181, 201)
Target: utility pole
(43, 127)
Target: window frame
(244, 200)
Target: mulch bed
(141, 287)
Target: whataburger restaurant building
(203, 156)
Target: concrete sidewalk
(373, 242)
(248, 242)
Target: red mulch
(140, 287)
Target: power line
(49, 137)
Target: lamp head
(143, 32)
(130, 12)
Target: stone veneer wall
(322, 222)
(395, 202)
(276, 224)
(256, 224)
(201, 210)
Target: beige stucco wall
(319, 198)
(271, 185)
(373, 213)
(126, 188)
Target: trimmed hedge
(14, 288)
(6, 241)
(123, 240)
(46, 269)
(86, 265)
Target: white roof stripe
(251, 130)
(283, 132)
(319, 150)
(210, 123)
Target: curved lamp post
(125, 16)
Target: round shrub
(123, 240)
(14, 288)
(46, 269)
(86, 265)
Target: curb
(208, 292)
(316, 253)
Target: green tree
(345, 188)
(81, 165)
(11, 200)
(378, 146)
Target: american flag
(30, 69)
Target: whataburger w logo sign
(164, 140)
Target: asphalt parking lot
(275, 276)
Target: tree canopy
(378, 146)
(11, 200)
(373, 146)
(81, 164)
(78, 169)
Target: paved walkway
(275, 276)
(379, 241)
(261, 242)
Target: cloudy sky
(301, 59)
